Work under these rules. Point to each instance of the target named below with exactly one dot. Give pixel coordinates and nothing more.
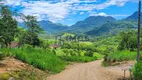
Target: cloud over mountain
(58, 10)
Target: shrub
(120, 56)
(1, 55)
(78, 58)
(4, 76)
(89, 53)
(137, 71)
(69, 52)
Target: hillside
(111, 28)
(133, 17)
(52, 28)
(49, 27)
(90, 23)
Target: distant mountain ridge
(90, 23)
(52, 28)
(94, 20)
(111, 28)
(93, 25)
(116, 27)
(134, 16)
(49, 27)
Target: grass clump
(98, 56)
(42, 59)
(4, 76)
(120, 56)
(78, 58)
(22, 75)
(137, 71)
(1, 55)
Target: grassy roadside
(42, 59)
(119, 56)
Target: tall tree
(8, 26)
(33, 29)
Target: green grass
(98, 56)
(78, 58)
(23, 75)
(137, 71)
(42, 59)
(124, 55)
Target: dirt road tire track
(90, 71)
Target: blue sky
(69, 12)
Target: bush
(1, 55)
(89, 53)
(78, 58)
(137, 71)
(120, 56)
(70, 52)
(44, 44)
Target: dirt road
(91, 71)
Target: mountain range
(93, 25)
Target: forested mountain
(133, 17)
(93, 25)
(90, 23)
(111, 28)
(52, 28)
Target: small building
(14, 44)
(55, 46)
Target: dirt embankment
(10, 67)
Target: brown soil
(9, 65)
(93, 71)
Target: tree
(8, 26)
(128, 41)
(33, 29)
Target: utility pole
(78, 46)
(139, 28)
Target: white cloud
(81, 13)
(98, 14)
(54, 12)
(104, 14)
(59, 10)
(13, 2)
